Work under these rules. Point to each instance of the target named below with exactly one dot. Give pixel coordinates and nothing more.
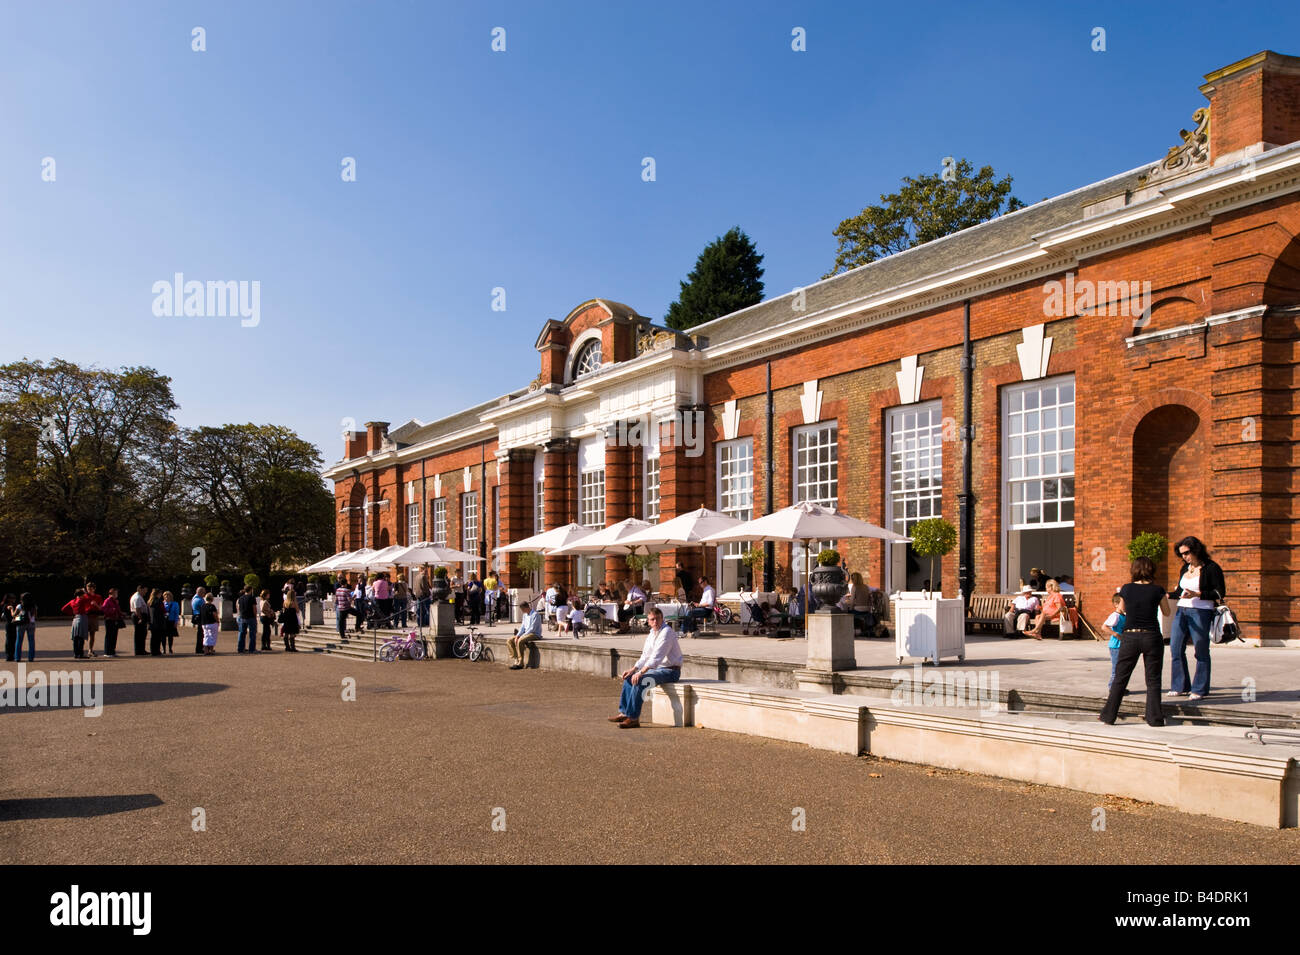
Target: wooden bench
(988, 611)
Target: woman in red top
(1053, 607)
(79, 606)
(113, 621)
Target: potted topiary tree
(530, 562)
(927, 624)
(439, 588)
(253, 581)
(1149, 544)
(211, 581)
(828, 582)
(753, 560)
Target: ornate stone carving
(1194, 152)
(535, 384)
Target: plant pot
(829, 585)
(439, 589)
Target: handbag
(1224, 626)
(1066, 622)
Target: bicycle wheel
(723, 615)
(475, 651)
(388, 653)
(461, 647)
(417, 650)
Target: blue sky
(519, 169)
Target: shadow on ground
(74, 807)
(118, 693)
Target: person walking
(289, 625)
(246, 607)
(158, 623)
(1141, 637)
(342, 607)
(210, 620)
(422, 598)
(173, 622)
(267, 615)
(140, 617)
(401, 601)
(384, 600)
(1199, 589)
(114, 621)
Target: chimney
(1254, 106)
(354, 444)
(376, 434)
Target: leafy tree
(727, 276)
(260, 490)
(90, 480)
(933, 537)
(925, 208)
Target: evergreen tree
(727, 276)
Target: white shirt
(551, 594)
(661, 649)
(139, 604)
(1025, 602)
(635, 593)
(576, 617)
(1191, 580)
(708, 598)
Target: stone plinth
(228, 619)
(312, 613)
(830, 642)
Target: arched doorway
(1170, 477)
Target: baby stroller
(754, 615)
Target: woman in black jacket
(1199, 589)
(159, 625)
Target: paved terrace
(1041, 675)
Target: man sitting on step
(530, 629)
(660, 662)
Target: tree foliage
(96, 478)
(924, 208)
(728, 276)
(260, 492)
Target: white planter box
(931, 627)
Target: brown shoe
(617, 719)
(629, 724)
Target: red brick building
(1118, 359)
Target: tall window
(816, 465)
(440, 521)
(365, 521)
(539, 507)
(652, 489)
(915, 464)
(591, 498)
(735, 499)
(469, 522)
(1040, 455)
(412, 524)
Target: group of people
(374, 597)
(1028, 615)
(1133, 629)
(19, 616)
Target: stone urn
(225, 590)
(439, 589)
(187, 594)
(829, 585)
(311, 593)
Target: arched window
(588, 360)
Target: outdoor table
(673, 611)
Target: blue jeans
(341, 621)
(247, 625)
(424, 611)
(28, 627)
(1114, 662)
(1193, 623)
(629, 703)
(696, 614)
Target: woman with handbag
(267, 614)
(289, 623)
(1199, 589)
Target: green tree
(261, 492)
(91, 480)
(727, 276)
(925, 208)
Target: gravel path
(286, 771)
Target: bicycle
(411, 645)
(471, 645)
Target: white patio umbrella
(322, 565)
(611, 540)
(693, 527)
(383, 557)
(427, 553)
(803, 523)
(357, 560)
(547, 541)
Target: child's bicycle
(471, 645)
(411, 645)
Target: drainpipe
(769, 548)
(483, 501)
(966, 499)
